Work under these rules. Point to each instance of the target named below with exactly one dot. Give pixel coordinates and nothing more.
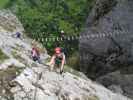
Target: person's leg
(34, 58)
(61, 70)
(39, 60)
(57, 66)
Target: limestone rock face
(23, 79)
(109, 46)
(10, 22)
(118, 82)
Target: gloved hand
(61, 71)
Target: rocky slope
(108, 55)
(23, 79)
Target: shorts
(35, 58)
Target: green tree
(46, 18)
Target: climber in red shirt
(58, 59)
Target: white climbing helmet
(62, 31)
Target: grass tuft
(3, 56)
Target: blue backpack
(18, 35)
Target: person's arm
(63, 62)
(52, 60)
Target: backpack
(64, 50)
(18, 35)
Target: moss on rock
(3, 56)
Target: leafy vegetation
(93, 98)
(73, 60)
(51, 16)
(3, 3)
(2, 56)
(46, 18)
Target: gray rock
(122, 82)
(111, 48)
(35, 82)
(10, 22)
(116, 89)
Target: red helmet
(57, 50)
